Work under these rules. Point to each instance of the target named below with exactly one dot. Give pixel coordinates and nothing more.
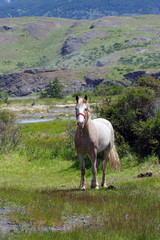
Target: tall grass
(51, 141)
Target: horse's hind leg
(83, 171)
(105, 156)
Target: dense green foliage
(135, 115)
(10, 134)
(108, 90)
(79, 9)
(4, 97)
(53, 90)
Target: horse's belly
(101, 147)
(104, 132)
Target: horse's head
(81, 111)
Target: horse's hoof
(104, 185)
(94, 187)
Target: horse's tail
(114, 159)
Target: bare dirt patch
(7, 37)
(41, 29)
(8, 226)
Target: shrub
(108, 90)
(53, 90)
(135, 116)
(77, 93)
(4, 97)
(10, 133)
(148, 135)
(151, 82)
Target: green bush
(108, 90)
(148, 135)
(151, 82)
(135, 117)
(4, 97)
(53, 90)
(10, 133)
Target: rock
(35, 80)
(111, 187)
(93, 82)
(156, 75)
(134, 76)
(71, 44)
(141, 175)
(110, 83)
(102, 62)
(6, 28)
(34, 71)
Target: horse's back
(104, 132)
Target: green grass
(46, 186)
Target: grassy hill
(79, 9)
(112, 45)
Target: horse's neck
(87, 125)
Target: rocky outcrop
(5, 28)
(134, 76)
(93, 82)
(102, 62)
(72, 43)
(35, 80)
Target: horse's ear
(86, 97)
(77, 98)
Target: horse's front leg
(94, 182)
(83, 171)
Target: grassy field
(40, 180)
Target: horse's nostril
(79, 124)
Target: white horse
(94, 136)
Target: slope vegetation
(116, 44)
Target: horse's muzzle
(80, 124)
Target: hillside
(76, 9)
(107, 48)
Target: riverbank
(32, 111)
